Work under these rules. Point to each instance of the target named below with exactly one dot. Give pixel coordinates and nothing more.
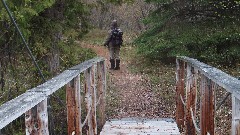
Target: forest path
(129, 94)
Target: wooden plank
(18, 106)
(207, 106)
(36, 120)
(73, 99)
(191, 98)
(56, 83)
(101, 68)
(78, 106)
(203, 105)
(88, 99)
(87, 64)
(235, 116)
(94, 96)
(60, 80)
(138, 126)
(180, 92)
(211, 105)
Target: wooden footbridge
(191, 76)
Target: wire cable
(31, 55)
(24, 41)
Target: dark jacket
(109, 41)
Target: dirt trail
(134, 95)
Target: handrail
(210, 78)
(231, 84)
(37, 97)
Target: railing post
(94, 96)
(36, 120)
(207, 105)
(88, 99)
(73, 98)
(101, 68)
(190, 99)
(235, 116)
(180, 92)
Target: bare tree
(129, 15)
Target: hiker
(114, 42)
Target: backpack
(116, 36)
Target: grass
(98, 37)
(95, 37)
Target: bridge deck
(136, 126)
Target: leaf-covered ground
(132, 93)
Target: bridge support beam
(36, 120)
(179, 94)
(89, 99)
(101, 87)
(235, 116)
(191, 100)
(74, 107)
(207, 105)
(94, 99)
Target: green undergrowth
(207, 40)
(98, 37)
(23, 75)
(95, 37)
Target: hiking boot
(112, 61)
(117, 65)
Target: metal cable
(24, 41)
(26, 45)
(29, 51)
(224, 99)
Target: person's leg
(117, 56)
(111, 54)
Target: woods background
(160, 29)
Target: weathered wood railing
(189, 72)
(34, 101)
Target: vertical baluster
(101, 68)
(235, 116)
(207, 106)
(180, 92)
(191, 98)
(94, 94)
(36, 120)
(73, 98)
(88, 98)
(203, 105)
(211, 102)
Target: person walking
(114, 42)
